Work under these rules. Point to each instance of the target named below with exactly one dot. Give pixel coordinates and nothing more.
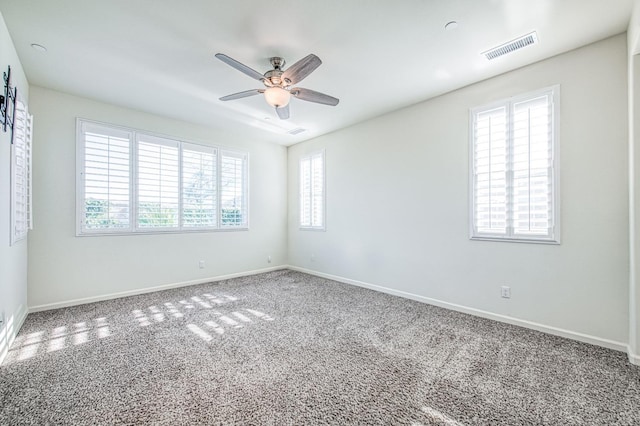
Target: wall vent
(296, 131)
(511, 46)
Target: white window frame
(554, 236)
(22, 136)
(323, 225)
(134, 228)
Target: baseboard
(581, 337)
(74, 302)
(633, 357)
(21, 317)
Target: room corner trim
(85, 300)
(581, 337)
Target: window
(21, 213)
(130, 181)
(106, 179)
(312, 191)
(199, 189)
(233, 198)
(514, 161)
(158, 183)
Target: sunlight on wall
(5, 332)
(8, 329)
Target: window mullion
(529, 166)
(312, 191)
(133, 182)
(490, 175)
(219, 189)
(180, 186)
(509, 208)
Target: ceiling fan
(279, 83)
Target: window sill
(158, 232)
(516, 240)
(308, 228)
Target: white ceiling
(378, 56)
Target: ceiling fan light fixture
(278, 83)
(277, 97)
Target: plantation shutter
(514, 181)
(158, 183)
(105, 179)
(233, 190)
(305, 192)
(199, 195)
(532, 167)
(312, 191)
(133, 182)
(317, 190)
(29, 149)
(490, 171)
(21, 172)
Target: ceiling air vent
(296, 131)
(511, 46)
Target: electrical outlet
(505, 292)
(313, 257)
(201, 264)
(268, 259)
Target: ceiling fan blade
(298, 71)
(313, 96)
(240, 66)
(283, 112)
(244, 94)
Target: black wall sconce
(8, 103)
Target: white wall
(63, 267)
(398, 209)
(13, 259)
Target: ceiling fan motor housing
(277, 62)
(273, 78)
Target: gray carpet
(288, 348)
